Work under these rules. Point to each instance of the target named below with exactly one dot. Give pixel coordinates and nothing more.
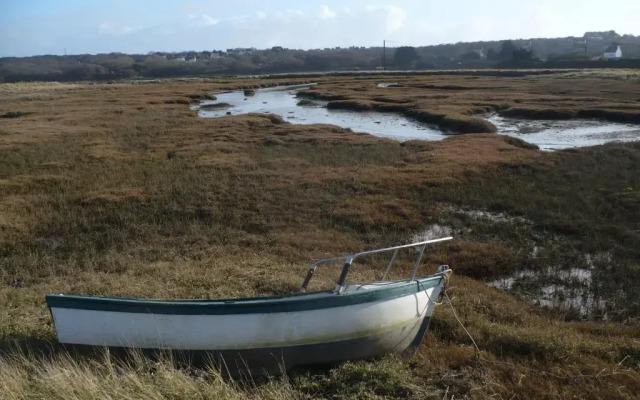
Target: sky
(35, 27)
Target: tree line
(569, 52)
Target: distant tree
(575, 56)
(257, 59)
(506, 51)
(319, 62)
(470, 56)
(114, 62)
(405, 57)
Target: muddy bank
(452, 124)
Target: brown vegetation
(454, 102)
(121, 190)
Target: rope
(455, 314)
(543, 372)
(428, 297)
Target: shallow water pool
(283, 101)
(556, 135)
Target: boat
(266, 335)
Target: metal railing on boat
(350, 258)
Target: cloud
(394, 16)
(481, 26)
(289, 15)
(109, 28)
(202, 20)
(326, 12)
(288, 27)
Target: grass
(26, 376)
(121, 190)
(574, 197)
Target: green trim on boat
(255, 305)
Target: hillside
(568, 52)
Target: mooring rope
(455, 314)
(484, 360)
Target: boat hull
(263, 335)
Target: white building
(612, 52)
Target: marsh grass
(571, 201)
(91, 202)
(27, 376)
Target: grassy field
(121, 190)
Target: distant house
(612, 52)
(480, 53)
(594, 35)
(604, 35)
(240, 51)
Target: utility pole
(384, 55)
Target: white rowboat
(268, 334)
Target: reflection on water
(575, 289)
(283, 101)
(431, 232)
(388, 84)
(555, 135)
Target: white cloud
(242, 21)
(288, 14)
(108, 28)
(481, 26)
(394, 16)
(209, 20)
(203, 20)
(326, 12)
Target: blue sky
(31, 27)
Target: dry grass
(27, 376)
(121, 190)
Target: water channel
(556, 135)
(283, 100)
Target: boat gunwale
(254, 305)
